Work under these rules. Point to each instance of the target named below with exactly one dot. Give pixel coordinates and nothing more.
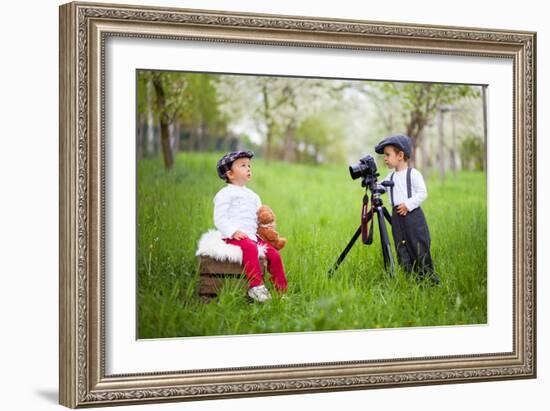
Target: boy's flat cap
(224, 163)
(400, 141)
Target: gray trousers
(412, 241)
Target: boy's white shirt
(235, 209)
(419, 191)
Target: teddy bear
(266, 228)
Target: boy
(235, 208)
(409, 227)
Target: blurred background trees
(308, 120)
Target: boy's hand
(239, 235)
(402, 209)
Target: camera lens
(355, 171)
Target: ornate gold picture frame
(84, 30)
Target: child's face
(392, 157)
(240, 172)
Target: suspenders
(409, 186)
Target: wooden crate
(213, 273)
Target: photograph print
(272, 204)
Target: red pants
(251, 263)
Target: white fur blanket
(211, 245)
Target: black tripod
(377, 208)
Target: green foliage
(472, 153)
(427, 96)
(419, 102)
(177, 97)
(304, 120)
(203, 101)
(322, 135)
(318, 210)
(142, 84)
(191, 98)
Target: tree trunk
(484, 93)
(200, 137)
(453, 152)
(410, 132)
(139, 138)
(150, 135)
(414, 131)
(269, 125)
(164, 124)
(423, 152)
(289, 148)
(193, 138)
(165, 142)
(441, 146)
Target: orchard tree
(420, 103)
(276, 106)
(166, 106)
(201, 113)
(188, 99)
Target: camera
(365, 169)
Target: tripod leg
(367, 234)
(345, 252)
(385, 241)
(387, 214)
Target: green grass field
(318, 210)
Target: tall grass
(318, 210)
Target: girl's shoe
(259, 293)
